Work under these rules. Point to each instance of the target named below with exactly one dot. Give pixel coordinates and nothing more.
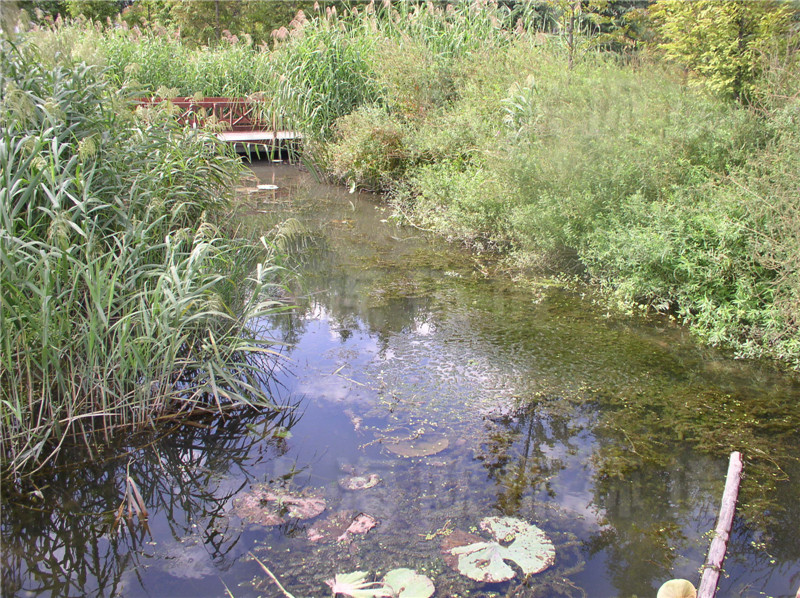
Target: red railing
(240, 113)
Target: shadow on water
(611, 433)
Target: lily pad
(407, 583)
(339, 527)
(677, 588)
(269, 506)
(529, 548)
(360, 482)
(397, 583)
(354, 585)
(421, 444)
(456, 538)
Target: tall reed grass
(155, 58)
(116, 306)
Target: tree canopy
(721, 42)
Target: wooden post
(719, 544)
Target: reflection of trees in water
(521, 455)
(647, 492)
(643, 511)
(525, 450)
(66, 544)
(354, 298)
(653, 432)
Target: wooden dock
(262, 137)
(268, 142)
(246, 128)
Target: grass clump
(150, 60)
(116, 305)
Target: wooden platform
(258, 137)
(247, 129)
(264, 143)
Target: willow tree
(721, 43)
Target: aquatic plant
(360, 482)
(397, 583)
(117, 305)
(341, 527)
(266, 505)
(529, 548)
(417, 443)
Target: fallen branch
(719, 544)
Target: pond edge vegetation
(125, 301)
(617, 143)
(646, 147)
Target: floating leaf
(268, 506)
(530, 549)
(407, 583)
(339, 527)
(418, 445)
(360, 482)
(483, 561)
(454, 539)
(353, 584)
(360, 525)
(677, 588)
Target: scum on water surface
(462, 396)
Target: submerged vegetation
(124, 301)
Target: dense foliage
(121, 300)
(650, 147)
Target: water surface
(611, 433)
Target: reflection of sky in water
(401, 335)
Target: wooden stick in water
(719, 544)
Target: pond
(424, 391)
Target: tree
(204, 20)
(148, 11)
(720, 42)
(95, 11)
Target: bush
(368, 150)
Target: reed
(156, 58)
(116, 303)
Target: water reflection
(612, 433)
(65, 543)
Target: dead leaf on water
(265, 505)
(341, 526)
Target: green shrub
(368, 150)
(461, 203)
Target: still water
(463, 394)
